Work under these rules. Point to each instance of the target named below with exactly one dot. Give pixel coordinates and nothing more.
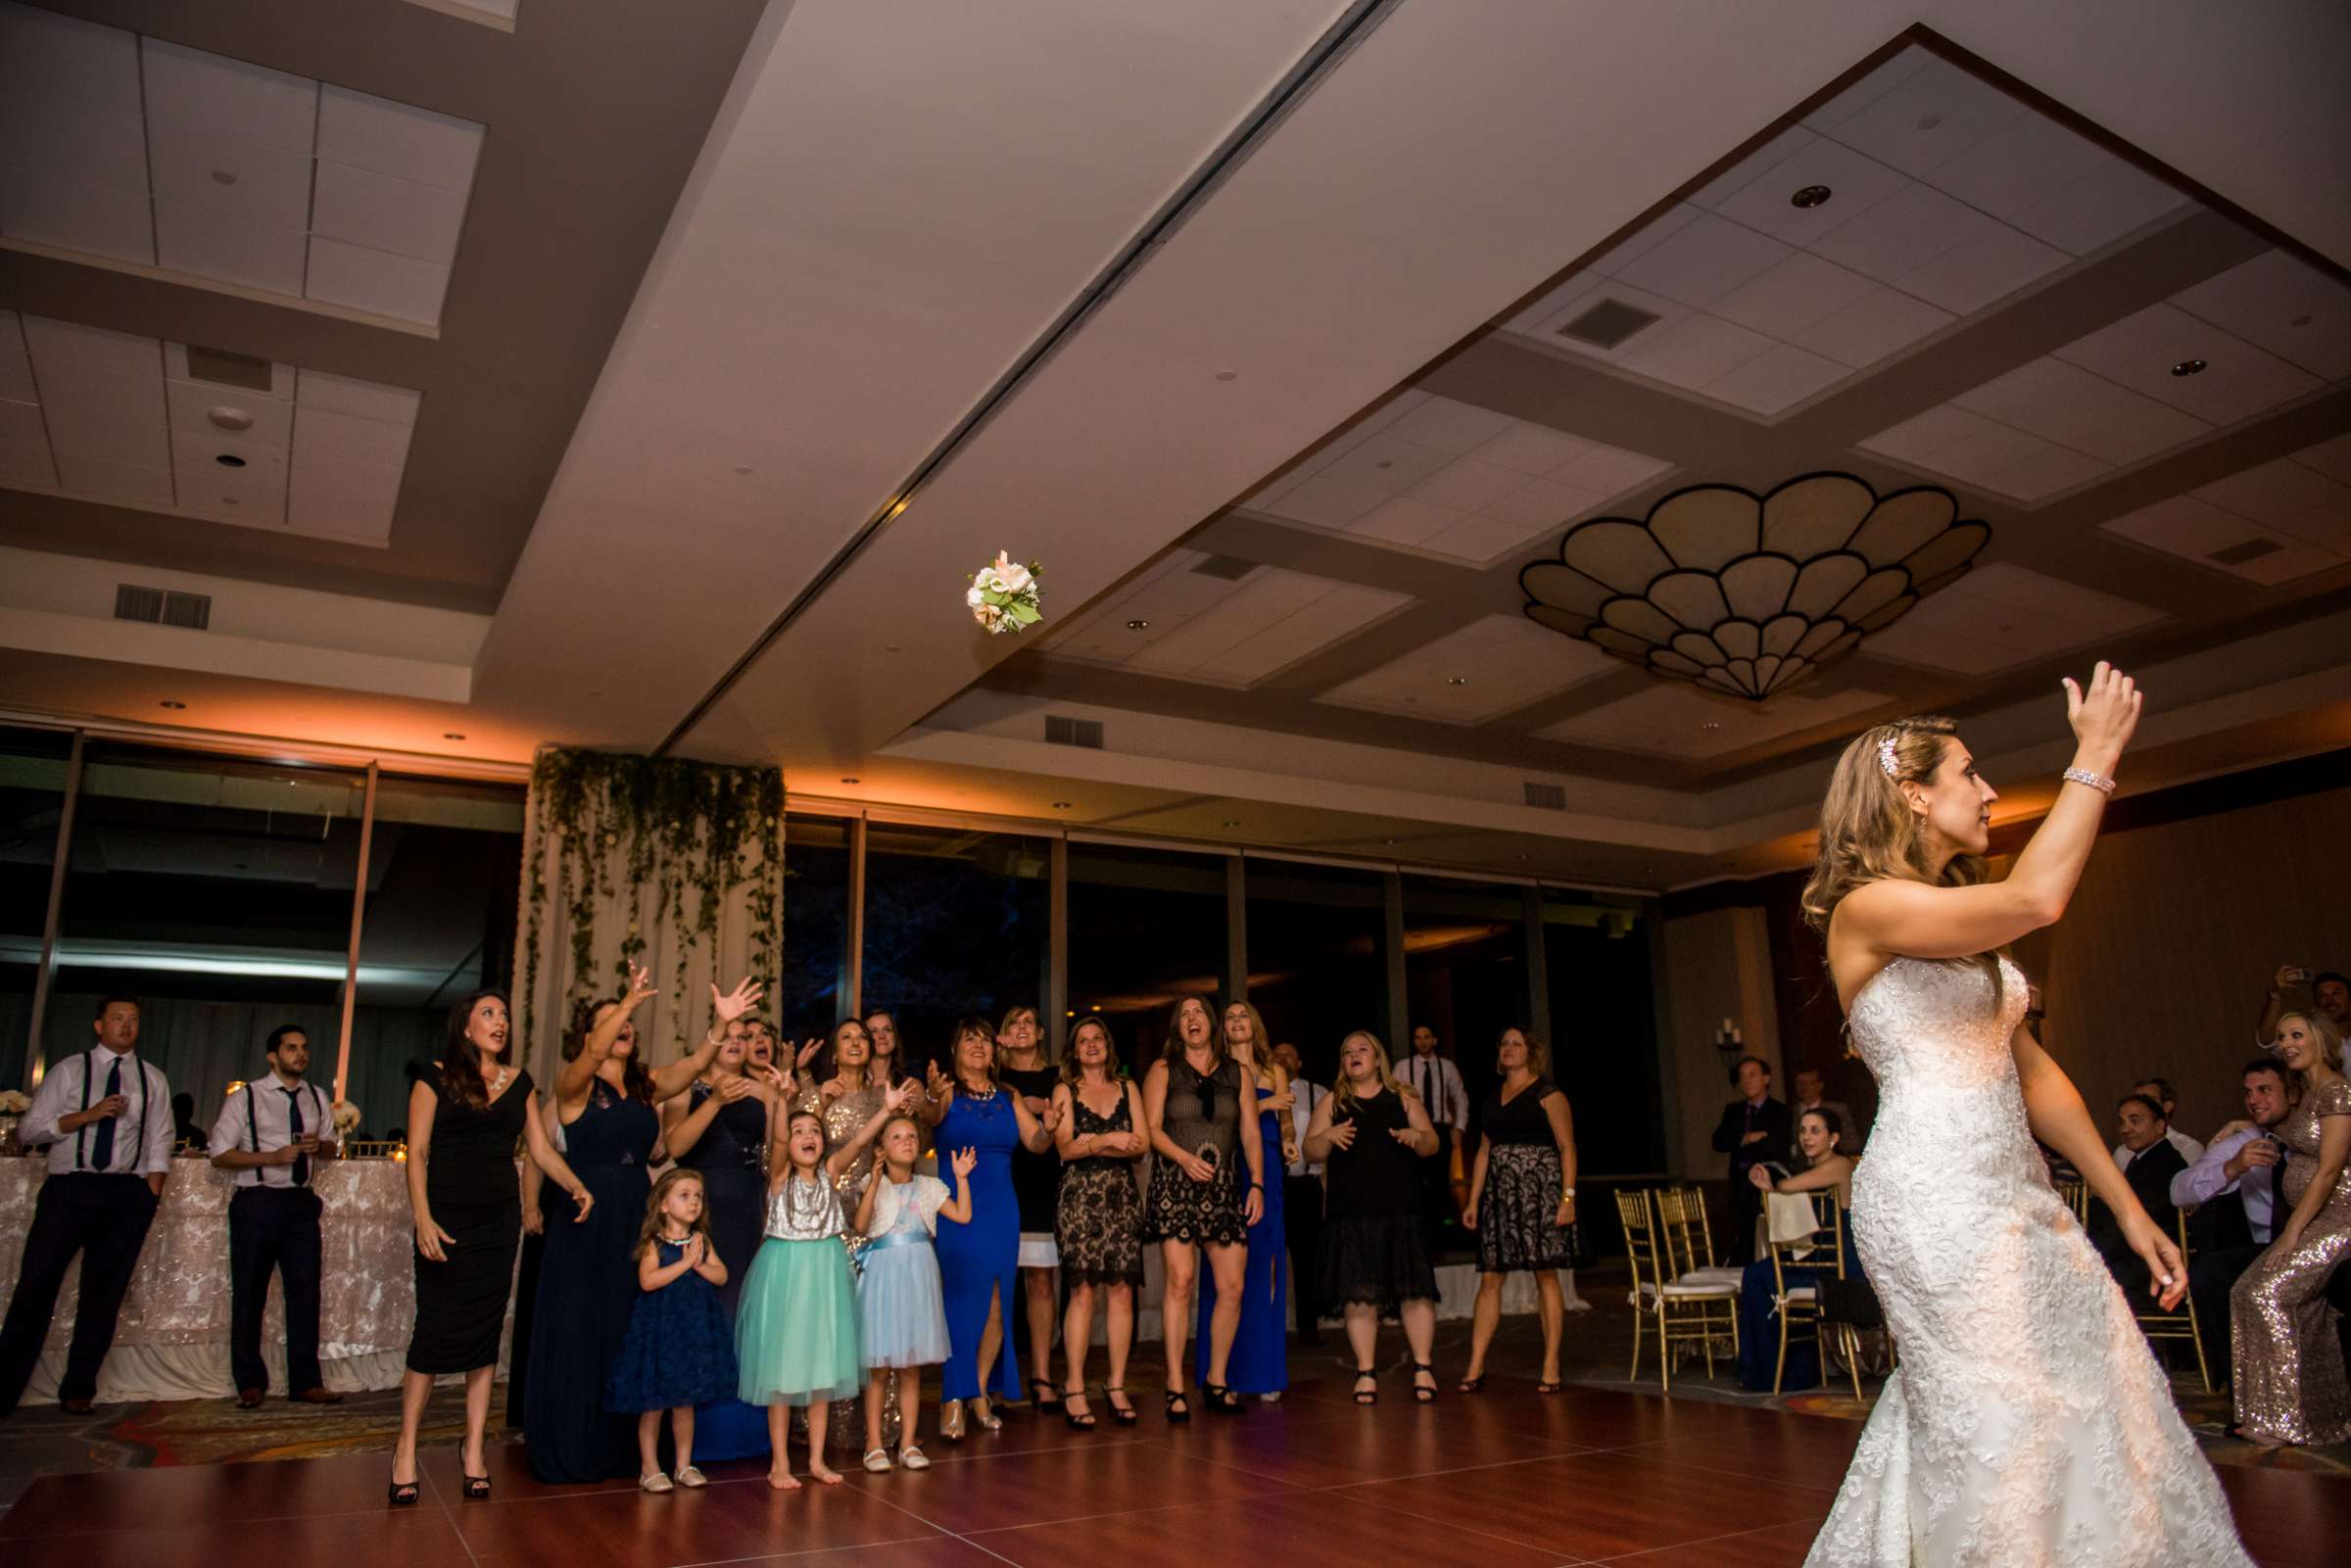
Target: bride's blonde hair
(1868, 831)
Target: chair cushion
(1681, 1291)
(1731, 1277)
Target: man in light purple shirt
(2233, 1187)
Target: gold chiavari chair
(1683, 1211)
(1696, 1301)
(1821, 1250)
(2075, 1192)
(370, 1149)
(2180, 1324)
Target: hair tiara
(1886, 759)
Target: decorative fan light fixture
(1750, 593)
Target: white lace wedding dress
(2027, 1424)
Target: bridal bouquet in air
(346, 1116)
(1003, 596)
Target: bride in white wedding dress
(2027, 1424)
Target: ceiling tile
(1703, 260)
(1531, 449)
(254, 497)
(1855, 184)
(230, 97)
(1917, 438)
(2197, 531)
(1266, 624)
(1991, 265)
(67, 349)
(261, 184)
(345, 438)
(1901, 233)
(15, 365)
(2038, 471)
(2113, 200)
(2294, 500)
(1552, 300)
(1930, 118)
(64, 59)
(386, 214)
(400, 286)
(2031, 159)
(76, 216)
(2000, 616)
(1696, 352)
(25, 443)
(1675, 719)
(1778, 378)
(213, 245)
(1908, 62)
(192, 403)
(255, 459)
(1609, 470)
(397, 139)
(2140, 350)
(2069, 406)
(1504, 662)
(1402, 520)
(2329, 457)
(1329, 502)
(118, 419)
(2282, 304)
(96, 476)
(1483, 538)
(354, 505)
(371, 399)
(1773, 153)
(1789, 297)
(74, 142)
(1667, 313)
(1387, 463)
(1872, 327)
(1541, 504)
(1467, 484)
(1450, 426)
(176, 369)
(1646, 238)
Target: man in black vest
(106, 1117)
(271, 1135)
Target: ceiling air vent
(225, 369)
(1231, 568)
(1061, 731)
(2252, 550)
(1550, 798)
(1607, 323)
(136, 603)
(191, 610)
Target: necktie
(301, 1163)
(102, 1147)
(1436, 1092)
(2262, 1181)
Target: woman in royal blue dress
(1259, 1362)
(979, 1260)
(604, 1099)
(1826, 1170)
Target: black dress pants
(104, 1218)
(273, 1228)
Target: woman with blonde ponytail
(2027, 1421)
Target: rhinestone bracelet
(2083, 775)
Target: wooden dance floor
(1504, 1479)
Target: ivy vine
(671, 831)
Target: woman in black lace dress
(1372, 1135)
(1208, 1187)
(1098, 1219)
(1522, 1199)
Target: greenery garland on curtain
(678, 831)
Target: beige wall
(1717, 966)
(2160, 964)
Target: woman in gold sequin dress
(2289, 1376)
(845, 1101)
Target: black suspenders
(252, 1129)
(89, 1070)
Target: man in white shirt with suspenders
(271, 1136)
(106, 1117)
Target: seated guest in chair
(187, 1138)
(2149, 1161)
(272, 1135)
(1812, 1096)
(2160, 1091)
(106, 1117)
(1755, 1129)
(1823, 1168)
(2234, 1190)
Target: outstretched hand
(729, 1006)
(641, 989)
(895, 1098)
(2104, 715)
(808, 1050)
(962, 1160)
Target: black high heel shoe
(1038, 1387)
(477, 1488)
(403, 1493)
(1366, 1395)
(1222, 1401)
(1180, 1407)
(1123, 1415)
(1079, 1420)
(1428, 1395)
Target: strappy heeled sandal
(1470, 1385)
(1079, 1420)
(1123, 1415)
(1038, 1387)
(1222, 1401)
(1366, 1395)
(1428, 1395)
(1180, 1407)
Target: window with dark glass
(956, 922)
(33, 800)
(812, 993)
(1317, 957)
(1146, 926)
(1604, 1043)
(1465, 968)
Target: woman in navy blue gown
(603, 1097)
(1816, 1134)
(1260, 1361)
(978, 1260)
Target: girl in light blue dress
(902, 1309)
(795, 1330)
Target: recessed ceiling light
(451, 734)
(852, 780)
(1387, 840)
(889, 648)
(1810, 196)
(1456, 679)
(1138, 625)
(1061, 805)
(1232, 822)
(226, 416)
(229, 459)
(173, 706)
(1928, 121)
(2189, 367)
(1710, 726)
(1385, 462)
(221, 177)
(1226, 375)
(743, 468)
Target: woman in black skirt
(1208, 1187)
(1371, 1134)
(464, 1118)
(1522, 1199)
(1098, 1222)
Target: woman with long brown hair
(1521, 1200)
(1200, 1202)
(2027, 1421)
(1021, 1068)
(1098, 1218)
(1259, 1362)
(1371, 1134)
(464, 1115)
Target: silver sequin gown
(2288, 1360)
(2028, 1424)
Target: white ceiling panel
(2329, 457)
(1266, 624)
(1450, 426)
(2222, 541)
(1778, 378)
(1387, 463)
(1855, 184)
(376, 280)
(1673, 719)
(1531, 449)
(2284, 304)
(1695, 352)
(370, 399)
(386, 214)
(64, 351)
(1541, 504)
(1903, 232)
(253, 495)
(1932, 117)
(347, 439)
(193, 403)
(45, 55)
(2142, 350)
(1764, 159)
(74, 142)
(1467, 484)
(1880, 324)
(240, 455)
(351, 505)
(113, 481)
(1564, 306)
(1703, 260)
(398, 139)
(1870, 88)
(230, 97)
(1961, 444)
(212, 245)
(1404, 521)
(76, 216)
(1501, 662)
(2069, 406)
(2110, 201)
(243, 180)
(15, 365)
(2292, 498)
(1784, 300)
(2003, 615)
(24, 445)
(2029, 160)
(1982, 270)
(119, 419)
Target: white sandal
(691, 1476)
(654, 1481)
(877, 1460)
(913, 1457)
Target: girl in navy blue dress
(679, 1351)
